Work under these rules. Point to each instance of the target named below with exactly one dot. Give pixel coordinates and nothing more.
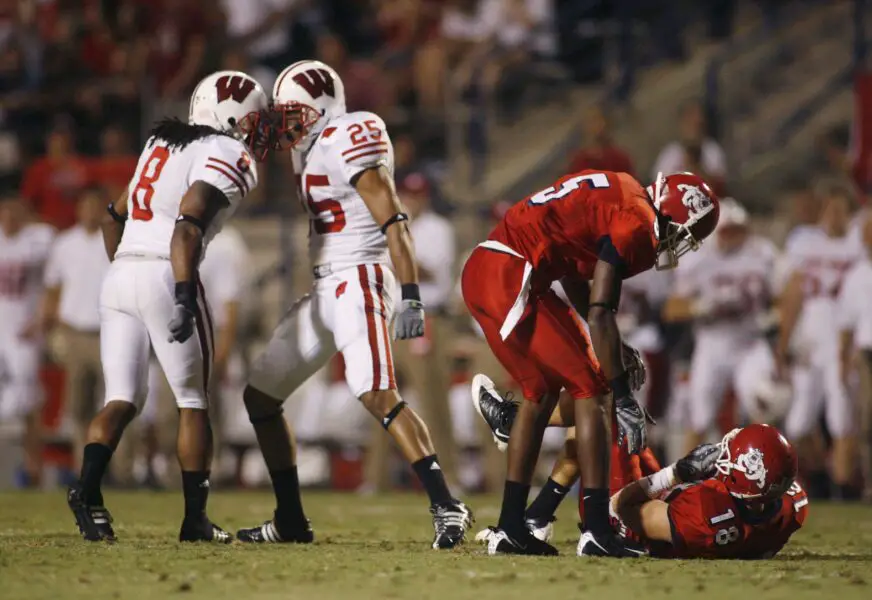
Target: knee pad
(389, 418)
(261, 408)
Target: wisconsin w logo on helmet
(316, 82)
(235, 87)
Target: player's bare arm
(376, 187)
(790, 308)
(199, 206)
(113, 224)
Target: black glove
(635, 367)
(631, 423)
(181, 324)
(699, 463)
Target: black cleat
(270, 533)
(203, 530)
(498, 412)
(500, 542)
(450, 522)
(608, 544)
(94, 522)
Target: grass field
(378, 547)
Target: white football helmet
(229, 101)
(307, 95)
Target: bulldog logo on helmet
(751, 464)
(696, 201)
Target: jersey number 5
(144, 190)
(318, 208)
(594, 180)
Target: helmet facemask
(295, 123)
(256, 130)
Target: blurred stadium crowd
(81, 81)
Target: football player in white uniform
(809, 335)
(344, 165)
(190, 178)
(725, 290)
(24, 249)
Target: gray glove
(631, 423)
(699, 463)
(635, 367)
(410, 322)
(181, 326)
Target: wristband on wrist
(186, 294)
(661, 481)
(620, 385)
(411, 291)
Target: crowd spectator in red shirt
(116, 164)
(176, 43)
(53, 182)
(599, 150)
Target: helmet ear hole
(232, 121)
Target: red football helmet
(756, 462)
(687, 210)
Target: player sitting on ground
(737, 499)
(598, 227)
(190, 178)
(344, 164)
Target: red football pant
(549, 349)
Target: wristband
(661, 481)
(411, 291)
(186, 294)
(620, 385)
(115, 216)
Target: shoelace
(100, 515)
(452, 517)
(507, 415)
(219, 534)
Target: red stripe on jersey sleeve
(363, 154)
(360, 147)
(233, 169)
(228, 176)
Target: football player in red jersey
(599, 226)
(742, 501)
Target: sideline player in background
(190, 178)
(808, 345)
(24, 250)
(344, 166)
(725, 290)
(599, 226)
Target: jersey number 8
(594, 180)
(144, 189)
(727, 536)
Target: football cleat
(203, 530)
(269, 533)
(542, 529)
(94, 522)
(608, 544)
(498, 412)
(499, 542)
(450, 522)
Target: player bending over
(737, 499)
(593, 225)
(190, 178)
(344, 165)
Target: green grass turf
(378, 547)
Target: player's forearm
(49, 309)
(577, 291)
(185, 247)
(789, 309)
(606, 340)
(402, 253)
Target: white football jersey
(162, 178)
(742, 278)
(342, 231)
(823, 261)
(22, 260)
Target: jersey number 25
(594, 180)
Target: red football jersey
(708, 523)
(584, 217)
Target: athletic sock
(289, 505)
(549, 498)
(596, 510)
(512, 512)
(195, 485)
(94, 462)
(433, 479)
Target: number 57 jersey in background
(163, 176)
(342, 231)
